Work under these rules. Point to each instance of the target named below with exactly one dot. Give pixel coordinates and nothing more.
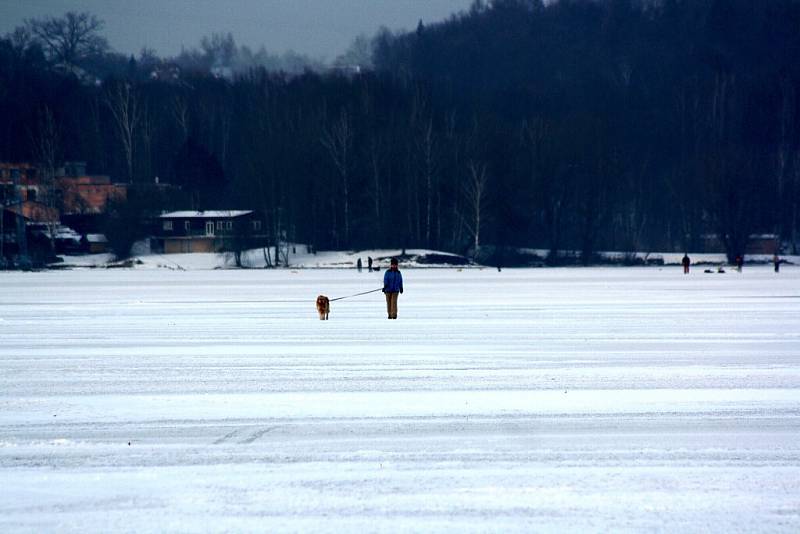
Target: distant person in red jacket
(686, 262)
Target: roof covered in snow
(96, 238)
(204, 214)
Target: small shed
(97, 243)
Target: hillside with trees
(573, 125)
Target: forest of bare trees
(573, 126)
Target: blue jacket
(392, 282)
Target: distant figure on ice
(369, 264)
(358, 265)
(776, 261)
(739, 262)
(686, 262)
(392, 287)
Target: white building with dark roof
(207, 231)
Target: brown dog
(323, 307)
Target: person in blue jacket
(392, 287)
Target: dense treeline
(576, 125)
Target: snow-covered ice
(596, 399)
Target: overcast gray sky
(318, 28)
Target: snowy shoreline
(415, 258)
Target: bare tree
(21, 38)
(180, 112)
(375, 156)
(786, 172)
(123, 101)
(475, 192)
(685, 180)
(358, 54)
(262, 187)
(429, 166)
(219, 50)
(226, 120)
(793, 191)
(70, 39)
(733, 193)
(731, 169)
(148, 135)
(632, 218)
(338, 139)
(46, 142)
(550, 178)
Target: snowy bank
(300, 258)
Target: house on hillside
(25, 173)
(21, 190)
(207, 231)
(19, 179)
(37, 212)
(23, 215)
(74, 197)
(84, 198)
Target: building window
(167, 225)
(256, 225)
(219, 225)
(209, 227)
(228, 225)
(187, 225)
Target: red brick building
(75, 192)
(88, 194)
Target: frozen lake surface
(599, 399)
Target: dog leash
(357, 294)
(268, 301)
